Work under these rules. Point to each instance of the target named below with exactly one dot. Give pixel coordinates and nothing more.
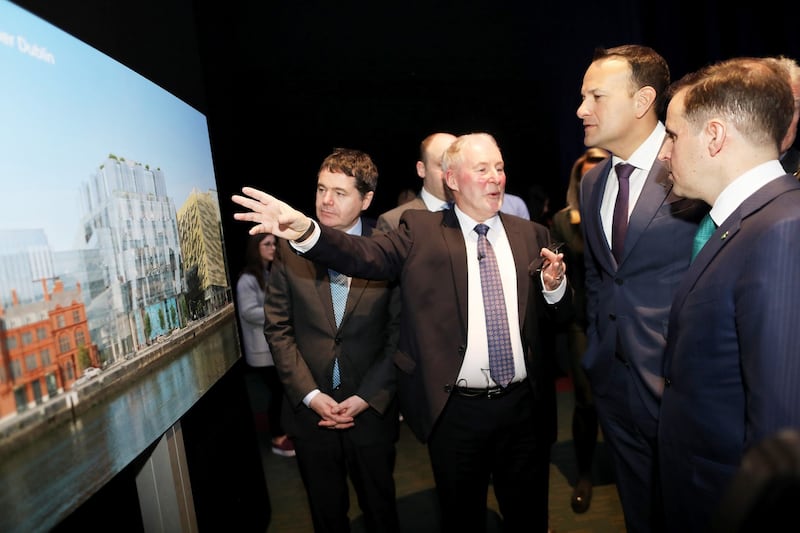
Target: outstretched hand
(270, 215)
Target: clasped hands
(337, 415)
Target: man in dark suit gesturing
(476, 428)
(731, 365)
(333, 338)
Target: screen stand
(165, 492)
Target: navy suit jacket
(732, 364)
(629, 303)
(791, 161)
(428, 256)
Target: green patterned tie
(705, 230)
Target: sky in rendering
(64, 108)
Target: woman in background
(250, 290)
(566, 228)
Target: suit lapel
(522, 253)
(457, 252)
(354, 292)
(323, 284)
(727, 232)
(357, 288)
(594, 226)
(654, 193)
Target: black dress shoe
(582, 496)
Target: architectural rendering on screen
(110, 230)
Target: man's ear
(421, 169)
(367, 200)
(645, 98)
(716, 132)
(450, 180)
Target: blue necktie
(705, 230)
(339, 288)
(501, 354)
(619, 225)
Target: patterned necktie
(705, 230)
(619, 225)
(501, 355)
(339, 289)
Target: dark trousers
(326, 459)
(478, 440)
(631, 433)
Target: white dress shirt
(431, 202)
(642, 159)
(475, 368)
(742, 187)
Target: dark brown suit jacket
(304, 340)
(428, 256)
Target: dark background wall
(300, 78)
(283, 82)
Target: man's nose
(494, 175)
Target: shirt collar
(431, 202)
(468, 223)
(643, 157)
(356, 228)
(742, 187)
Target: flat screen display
(112, 268)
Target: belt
(490, 393)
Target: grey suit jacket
(391, 218)
(627, 305)
(302, 334)
(428, 256)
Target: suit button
(618, 281)
(337, 340)
(667, 382)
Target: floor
(416, 501)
